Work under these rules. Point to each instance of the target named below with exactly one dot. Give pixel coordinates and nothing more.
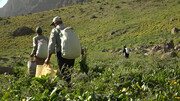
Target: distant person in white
(126, 52)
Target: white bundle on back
(127, 50)
(70, 44)
(42, 50)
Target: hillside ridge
(20, 7)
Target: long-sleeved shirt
(54, 40)
(35, 42)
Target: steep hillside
(133, 24)
(20, 7)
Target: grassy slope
(146, 23)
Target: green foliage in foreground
(100, 76)
(106, 79)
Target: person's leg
(69, 69)
(60, 60)
(37, 61)
(71, 62)
(127, 55)
(65, 66)
(41, 61)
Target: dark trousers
(126, 55)
(65, 66)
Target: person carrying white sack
(126, 52)
(40, 47)
(65, 43)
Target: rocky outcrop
(4, 59)
(156, 48)
(19, 7)
(174, 30)
(177, 47)
(170, 44)
(112, 50)
(22, 31)
(169, 54)
(168, 49)
(6, 70)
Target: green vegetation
(109, 75)
(107, 79)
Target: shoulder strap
(59, 32)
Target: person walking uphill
(40, 46)
(66, 45)
(126, 52)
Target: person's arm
(47, 40)
(124, 50)
(48, 59)
(33, 53)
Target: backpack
(42, 50)
(127, 50)
(70, 44)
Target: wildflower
(4, 90)
(175, 83)
(124, 89)
(130, 92)
(139, 86)
(177, 98)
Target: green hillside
(100, 25)
(145, 23)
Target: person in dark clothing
(126, 52)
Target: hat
(56, 19)
(38, 30)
